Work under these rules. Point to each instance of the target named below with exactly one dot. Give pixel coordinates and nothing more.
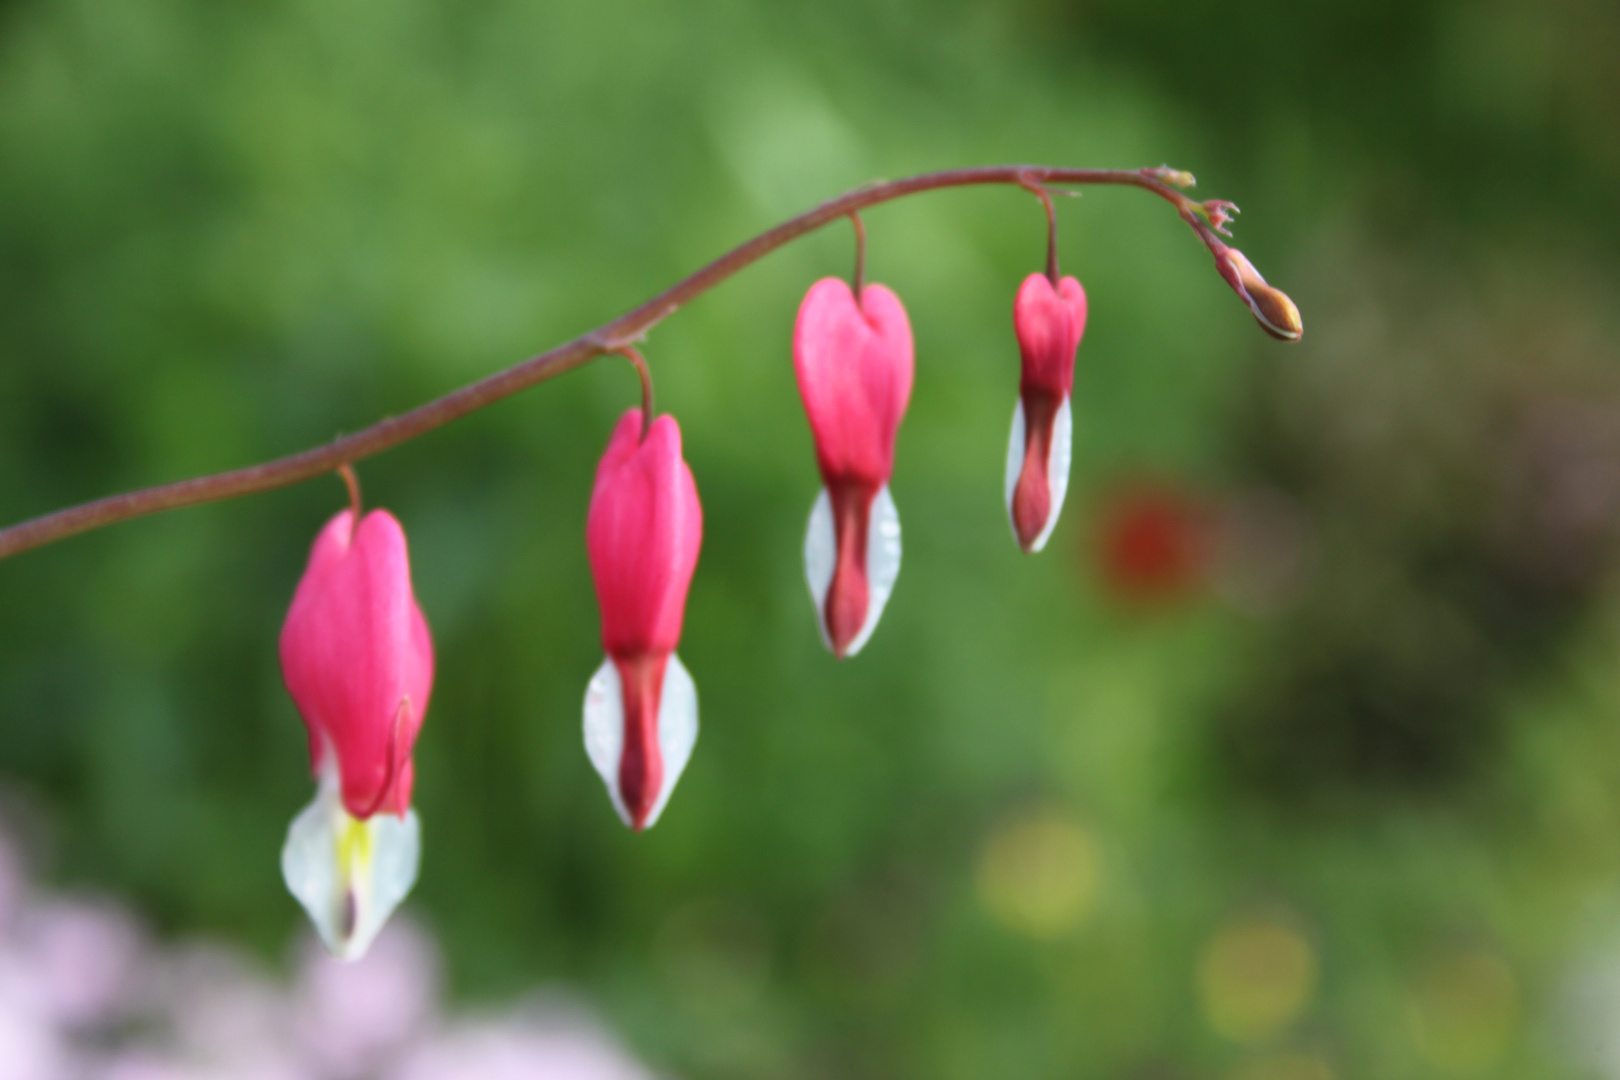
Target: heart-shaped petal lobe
(355, 650)
(854, 365)
(643, 533)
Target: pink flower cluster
(85, 994)
(358, 659)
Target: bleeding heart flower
(1048, 323)
(358, 662)
(643, 533)
(855, 366)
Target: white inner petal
(604, 730)
(677, 729)
(820, 556)
(1057, 470)
(1057, 467)
(882, 563)
(1015, 460)
(349, 875)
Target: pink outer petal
(643, 533)
(357, 659)
(1048, 323)
(855, 369)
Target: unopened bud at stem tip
(1273, 310)
(1276, 313)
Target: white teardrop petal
(677, 729)
(1015, 460)
(396, 856)
(349, 875)
(820, 557)
(1057, 467)
(309, 862)
(882, 563)
(604, 730)
(1057, 470)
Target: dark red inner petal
(849, 593)
(641, 764)
(1032, 497)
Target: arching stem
(631, 326)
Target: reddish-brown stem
(1051, 229)
(631, 326)
(860, 255)
(352, 482)
(632, 354)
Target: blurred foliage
(1350, 807)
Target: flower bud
(643, 533)
(358, 661)
(1272, 308)
(854, 365)
(1048, 323)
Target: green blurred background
(1296, 755)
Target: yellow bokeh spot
(1463, 1011)
(1038, 874)
(1254, 978)
(1286, 1066)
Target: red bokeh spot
(1153, 543)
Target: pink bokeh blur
(87, 994)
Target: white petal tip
(604, 732)
(349, 875)
(882, 562)
(820, 557)
(1057, 470)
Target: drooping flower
(854, 364)
(358, 661)
(1048, 323)
(643, 533)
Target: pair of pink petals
(358, 661)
